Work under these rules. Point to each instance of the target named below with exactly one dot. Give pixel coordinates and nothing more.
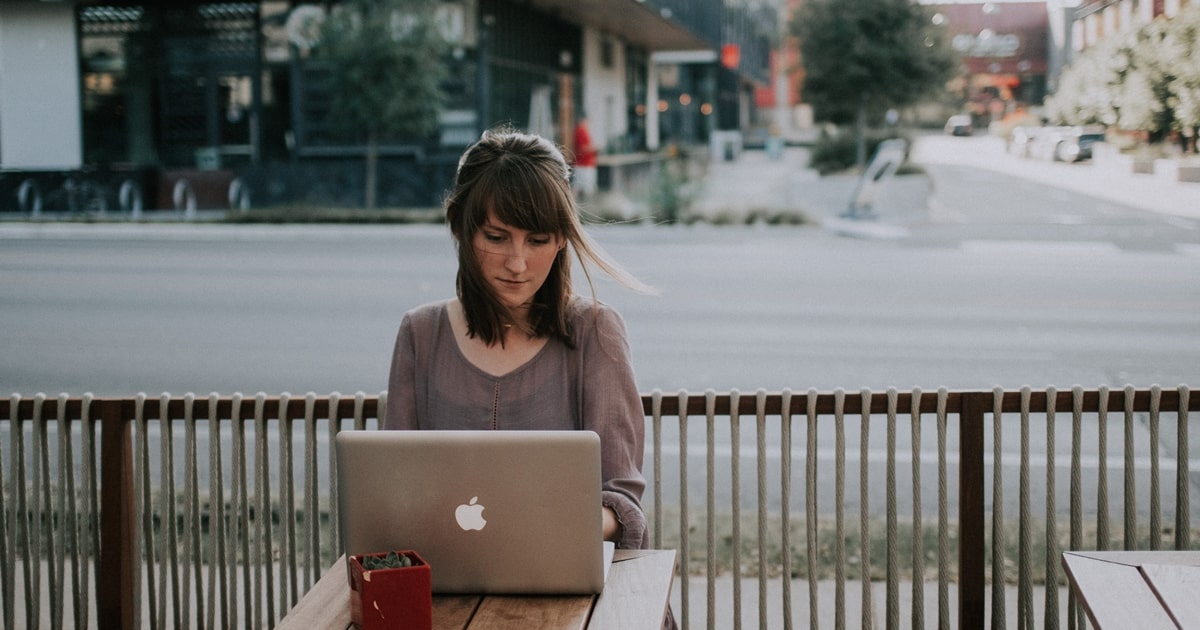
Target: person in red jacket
(584, 176)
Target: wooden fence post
(972, 540)
(115, 595)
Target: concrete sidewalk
(1145, 191)
(754, 182)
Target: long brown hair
(524, 181)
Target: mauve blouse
(433, 386)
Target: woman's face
(514, 262)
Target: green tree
(386, 68)
(863, 57)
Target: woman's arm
(401, 409)
(612, 407)
(611, 527)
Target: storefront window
(116, 103)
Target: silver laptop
(490, 511)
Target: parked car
(1064, 144)
(1076, 143)
(960, 125)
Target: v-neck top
(590, 387)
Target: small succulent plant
(392, 560)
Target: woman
(516, 349)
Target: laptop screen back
(490, 511)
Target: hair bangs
(529, 196)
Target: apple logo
(470, 515)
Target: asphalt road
(198, 309)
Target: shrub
(837, 152)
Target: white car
(960, 125)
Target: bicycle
(79, 194)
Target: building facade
(1006, 53)
(1093, 20)
(210, 92)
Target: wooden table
(1137, 589)
(635, 596)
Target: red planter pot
(400, 598)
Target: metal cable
(785, 504)
(735, 481)
(656, 398)
(193, 567)
(78, 513)
(1053, 554)
(998, 539)
(943, 514)
(1102, 473)
(143, 504)
(41, 498)
(89, 539)
(1130, 496)
(1074, 610)
(264, 587)
(684, 535)
(864, 526)
(918, 543)
(240, 520)
(710, 506)
(288, 584)
(1183, 527)
(218, 571)
(839, 500)
(893, 554)
(168, 540)
(1024, 542)
(760, 426)
(312, 541)
(1155, 487)
(8, 520)
(810, 504)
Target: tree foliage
(386, 66)
(1144, 79)
(867, 56)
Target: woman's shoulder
(580, 308)
(426, 315)
(588, 315)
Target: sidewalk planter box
(1174, 170)
(399, 598)
(1109, 157)
(1126, 163)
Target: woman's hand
(612, 528)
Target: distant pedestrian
(584, 177)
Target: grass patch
(826, 547)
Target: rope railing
(214, 511)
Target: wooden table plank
(635, 595)
(325, 605)
(1178, 588)
(1139, 558)
(454, 612)
(518, 612)
(1114, 594)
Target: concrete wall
(40, 126)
